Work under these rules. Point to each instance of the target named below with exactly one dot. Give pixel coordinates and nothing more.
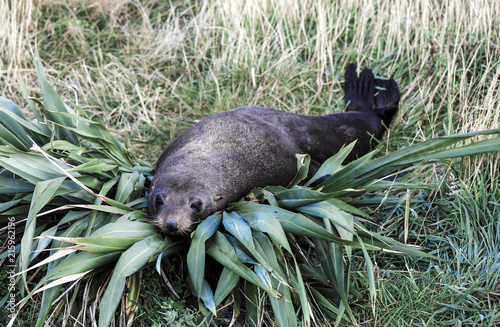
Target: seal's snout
(172, 226)
(172, 212)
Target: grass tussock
(148, 69)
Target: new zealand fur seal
(223, 157)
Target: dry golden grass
(434, 45)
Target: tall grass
(149, 69)
(143, 60)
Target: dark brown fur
(221, 158)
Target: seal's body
(221, 158)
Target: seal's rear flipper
(386, 99)
(359, 92)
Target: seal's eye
(196, 205)
(159, 200)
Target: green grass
(463, 227)
(149, 69)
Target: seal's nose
(172, 225)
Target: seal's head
(177, 207)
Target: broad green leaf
(391, 245)
(13, 119)
(207, 296)
(339, 218)
(43, 193)
(303, 298)
(331, 258)
(221, 250)
(283, 310)
(196, 253)
(332, 163)
(240, 250)
(130, 262)
(62, 145)
(486, 146)
(339, 178)
(266, 222)
(348, 208)
(20, 210)
(266, 249)
(54, 105)
(100, 244)
(303, 161)
(328, 304)
(126, 186)
(238, 228)
(270, 197)
(167, 248)
(136, 215)
(44, 129)
(7, 138)
(235, 225)
(48, 297)
(11, 128)
(43, 241)
(298, 197)
(227, 282)
(90, 181)
(370, 271)
(263, 275)
(7, 205)
(110, 149)
(78, 263)
(132, 229)
(72, 216)
(282, 307)
(74, 229)
(27, 167)
(361, 172)
(95, 131)
(298, 224)
(13, 185)
(94, 166)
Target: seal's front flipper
(359, 92)
(386, 99)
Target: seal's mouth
(173, 227)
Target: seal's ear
(218, 197)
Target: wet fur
(221, 158)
